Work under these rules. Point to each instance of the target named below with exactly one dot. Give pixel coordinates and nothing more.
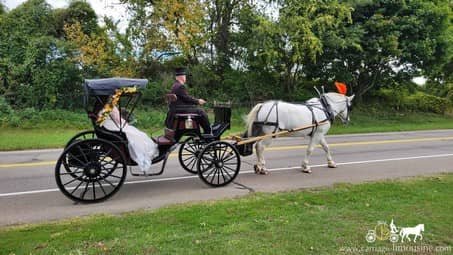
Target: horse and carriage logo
(382, 231)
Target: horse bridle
(328, 107)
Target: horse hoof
(260, 170)
(306, 169)
(331, 165)
(264, 172)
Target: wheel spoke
(192, 162)
(223, 153)
(111, 184)
(83, 154)
(71, 173)
(109, 169)
(94, 192)
(76, 158)
(188, 149)
(213, 175)
(73, 180)
(223, 176)
(230, 168)
(218, 175)
(85, 191)
(231, 177)
(230, 157)
(102, 188)
(208, 168)
(188, 158)
(208, 163)
(81, 182)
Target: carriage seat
(167, 139)
(186, 115)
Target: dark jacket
(183, 97)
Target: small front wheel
(188, 153)
(218, 164)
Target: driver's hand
(201, 101)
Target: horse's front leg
(311, 146)
(260, 165)
(325, 146)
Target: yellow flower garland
(112, 102)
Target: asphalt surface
(28, 193)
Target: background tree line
(240, 50)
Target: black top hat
(180, 71)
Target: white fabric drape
(141, 148)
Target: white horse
(417, 231)
(280, 115)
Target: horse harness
(326, 108)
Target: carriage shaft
(280, 133)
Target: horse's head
(340, 105)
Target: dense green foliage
(314, 221)
(33, 129)
(236, 50)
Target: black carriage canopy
(105, 87)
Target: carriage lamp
(189, 123)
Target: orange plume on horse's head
(341, 87)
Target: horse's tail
(251, 117)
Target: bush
(392, 98)
(419, 101)
(425, 103)
(5, 108)
(5, 111)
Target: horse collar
(327, 108)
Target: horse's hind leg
(260, 165)
(325, 146)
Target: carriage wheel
(218, 164)
(82, 136)
(188, 153)
(85, 135)
(94, 170)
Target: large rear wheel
(218, 164)
(89, 134)
(91, 170)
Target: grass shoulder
(314, 221)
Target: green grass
(54, 129)
(315, 221)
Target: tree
(222, 16)
(31, 19)
(158, 26)
(78, 11)
(95, 53)
(387, 43)
(2, 9)
(47, 78)
(289, 45)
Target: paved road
(28, 191)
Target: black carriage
(94, 164)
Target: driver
(183, 98)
